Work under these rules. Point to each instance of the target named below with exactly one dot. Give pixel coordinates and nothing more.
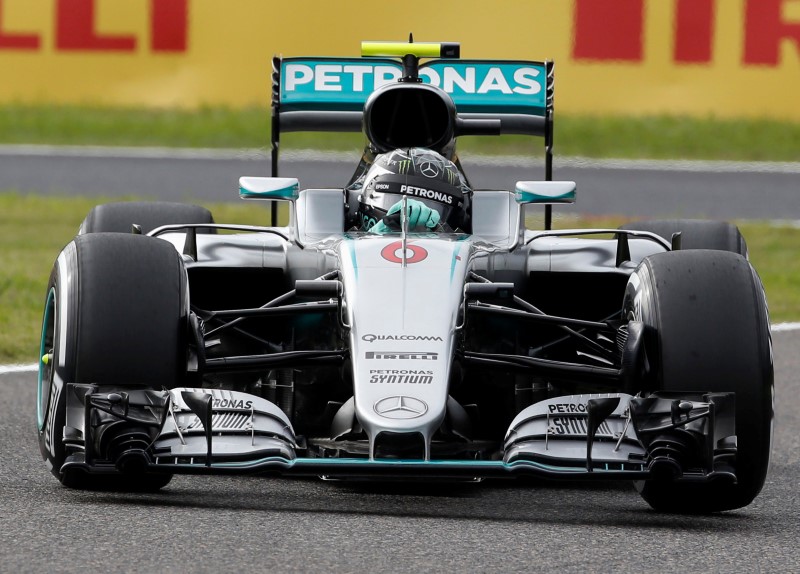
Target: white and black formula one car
(405, 325)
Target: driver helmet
(419, 174)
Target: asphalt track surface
(248, 524)
(714, 190)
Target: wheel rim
(46, 346)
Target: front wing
(581, 437)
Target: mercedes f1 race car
(350, 345)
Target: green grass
(33, 230)
(621, 137)
(773, 252)
(73, 125)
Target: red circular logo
(394, 253)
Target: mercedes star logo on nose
(429, 169)
(401, 407)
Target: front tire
(708, 331)
(115, 313)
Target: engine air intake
(409, 115)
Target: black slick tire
(115, 313)
(119, 217)
(707, 330)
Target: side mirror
(272, 188)
(527, 192)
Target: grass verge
(34, 229)
(662, 137)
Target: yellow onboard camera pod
(418, 49)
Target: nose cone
(402, 330)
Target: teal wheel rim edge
(48, 326)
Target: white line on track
(780, 327)
(262, 154)
(8, 369)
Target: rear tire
(119, 217)
(696, 233)
(115, 313)
(708, 331)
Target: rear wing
(321, 94)
(328, 94)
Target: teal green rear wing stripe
(476, 86)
